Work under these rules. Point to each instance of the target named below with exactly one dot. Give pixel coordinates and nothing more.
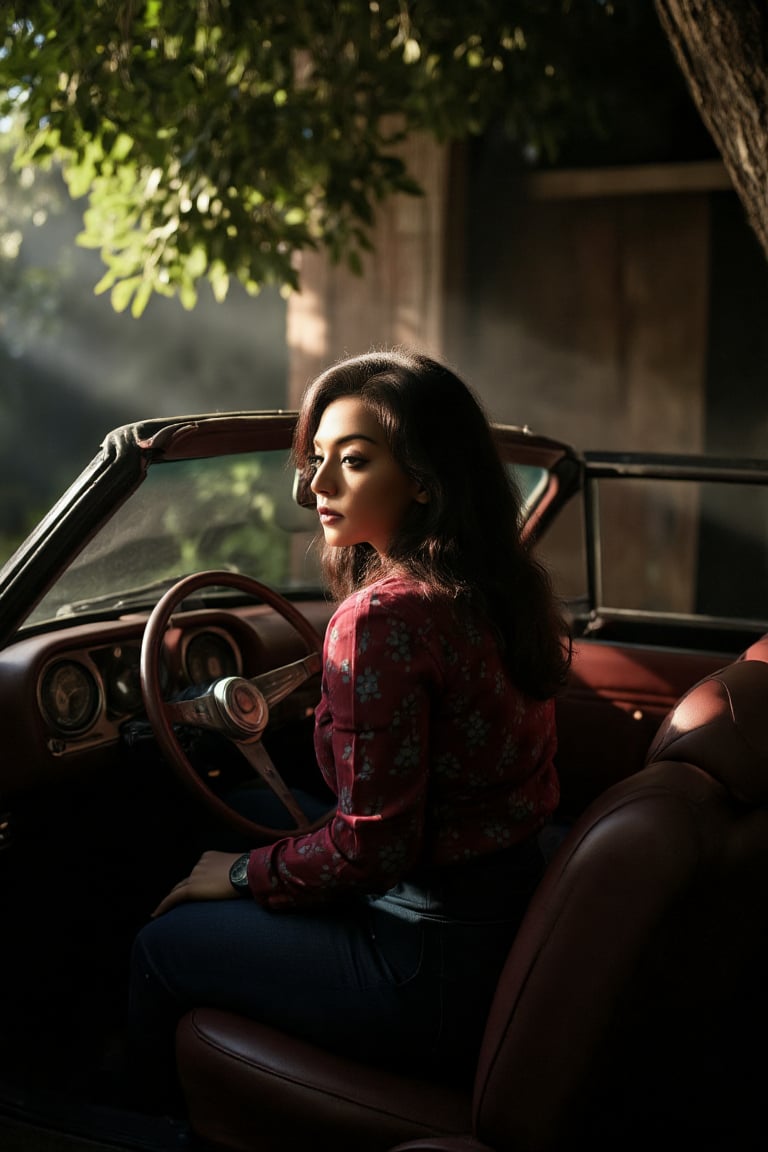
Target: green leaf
(122, 293)
(121, 147)
(197, 262)
(141, 298)
(187, 295)
(106, 282)
(219, 280)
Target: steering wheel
(232, 706)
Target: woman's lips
(327, 516)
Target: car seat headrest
(721, 726)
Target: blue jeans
(377, 982)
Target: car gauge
(69, 696)
(209, 655)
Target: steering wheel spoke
(259, 759)
(198, 712)
(280, 682)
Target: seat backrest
(621, 1011)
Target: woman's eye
(314, 462)
(353, 461)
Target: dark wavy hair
(464, 542)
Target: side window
(687, 547)
(562, 551)
(665, 547)
(531, 481)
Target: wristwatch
(238, 874)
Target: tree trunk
(721, 47)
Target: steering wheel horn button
(241, 706)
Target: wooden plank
(636, 180)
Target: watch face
(238, 873)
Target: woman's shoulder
(410, 601)
(392, 593)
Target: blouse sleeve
(372, 734)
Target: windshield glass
(227, 512)
(233, 512)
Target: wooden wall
(582, 310)
(577, 303)
(587, 318)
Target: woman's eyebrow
(348, 439)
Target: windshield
(231, 512)
(227, 512)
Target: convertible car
(159, 639)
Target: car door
(662, 561)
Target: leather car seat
(632, 999)
(756, 651)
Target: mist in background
(72, 369)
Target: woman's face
(362, 492)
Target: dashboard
(66, 695)
(93, 689)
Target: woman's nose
(322, 480)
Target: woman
(382, 933)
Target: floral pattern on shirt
(433, 754)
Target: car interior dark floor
(83, 865)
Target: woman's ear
(420, 494)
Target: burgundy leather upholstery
(252, 1089)
(625, 1010)
(756, 651)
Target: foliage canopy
(217, 138)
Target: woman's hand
(208, 880)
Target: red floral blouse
(434, 755)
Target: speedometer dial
(69, 696)
(210, 655)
